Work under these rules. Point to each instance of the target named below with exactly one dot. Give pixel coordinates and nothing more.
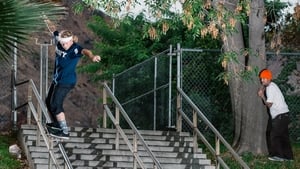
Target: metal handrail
(41, 129)
(213, 129)
(135, 130)
(121, 131)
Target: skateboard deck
(49, 130)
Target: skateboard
(49, 131)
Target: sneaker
(54, 126)
(60, 134)
(275, 158)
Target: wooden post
(29, 97)
(104, 125)
(134, 151)
(217, 151)
(179, 117)
(117, 124)
(195, 126)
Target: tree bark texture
(253, 139)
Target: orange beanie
(266, 74)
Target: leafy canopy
(127, 45)
(199, 18)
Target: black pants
(280, 145)
(55, 98)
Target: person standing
(280, 147)
(67, 55)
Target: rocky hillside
(82, 106)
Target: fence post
(154, 90)
(170, 88)
(14, 88)
(178, 99)
(43, 70)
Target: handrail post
(117, 123)
(134, 150)
(217, 151)
(195, 126)
(50, 150)
(29, 97)
(104, 125)
(38, 134)
(179, 117)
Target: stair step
(90, 148)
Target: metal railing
(38, 113)
(137, 137)
(196, 132)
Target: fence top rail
(296, 54)
(135, 130)
(200, 50)
(213, 129)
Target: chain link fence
(148, 90)
(199, 71)
(143, 91)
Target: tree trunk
(249, 112)
(235, 43)
(253, 138)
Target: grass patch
(262, 162)
(7, 161)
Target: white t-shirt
(275, 96)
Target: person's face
(265, 81)
(66, 45)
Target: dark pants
(268, 133)
(279, 137)
(55, 98)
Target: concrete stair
(90, 148)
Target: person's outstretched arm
(88, 53)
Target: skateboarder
(67, 55)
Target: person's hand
(96, 58)
(261, 92)
(50, 25)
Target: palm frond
(19, 18)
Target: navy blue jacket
(65, 63)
